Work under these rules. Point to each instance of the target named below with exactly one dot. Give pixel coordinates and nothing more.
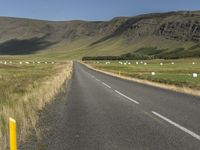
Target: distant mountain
(171, 35)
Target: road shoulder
(184, 90)
(50, 119)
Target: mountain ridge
(116, 36)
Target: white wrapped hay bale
(153, 73)
(194, 75)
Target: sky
(60, 10)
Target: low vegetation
(128, 56)
(156, 53)
(152, 53)
(24, 90)
(173, 72)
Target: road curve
(108, 113)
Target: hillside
(160, 34)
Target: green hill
(165, 35)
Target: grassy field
(180, 73)
(25, 89)
(116, 47)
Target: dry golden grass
(31, 88)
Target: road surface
(108, 113)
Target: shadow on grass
(23, 47)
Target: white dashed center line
(127, 97)
(177, 125)
(106, 85)
(196, 136)
(97, 79)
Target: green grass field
(180, 73)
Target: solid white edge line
(127, 97)
(177, 125)
(106, 85)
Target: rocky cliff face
(187, 30)
(176, 25)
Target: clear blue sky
(90, 9)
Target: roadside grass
(24, 91)
(178, 74)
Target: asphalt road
(108, 113)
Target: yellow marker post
(13, 137)
(119, 73)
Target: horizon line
(88, 20)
